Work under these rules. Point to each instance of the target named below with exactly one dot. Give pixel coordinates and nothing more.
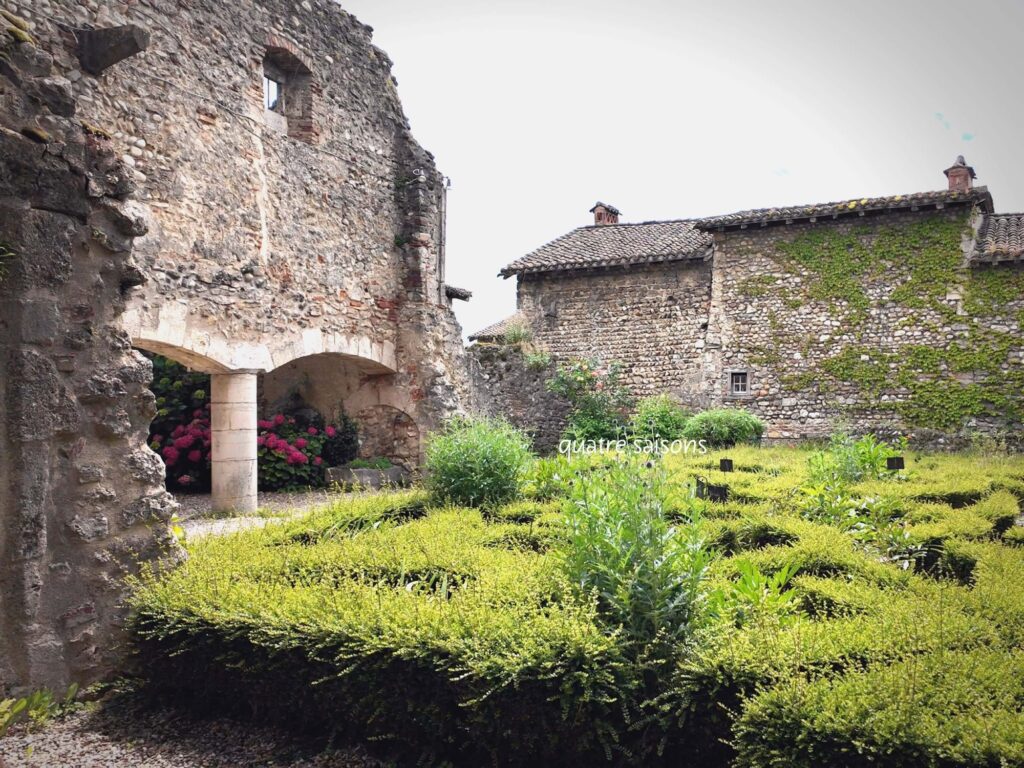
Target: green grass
(444, 633)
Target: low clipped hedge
(935, 709)
(448, 635)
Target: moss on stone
(21, 35)
(36, 134)
(95, 130)
(16, 21)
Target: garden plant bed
(445, 633)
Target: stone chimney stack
(961, 176)
(605, 214)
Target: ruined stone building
(234, 186)
(902, 313)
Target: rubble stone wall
(82, 497)
(874, 324)
(267, 246)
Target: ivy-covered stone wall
(879, 323)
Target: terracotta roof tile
(683, 239)
(497, 329)
(615, 244)
(842, 207)
(1001, 238)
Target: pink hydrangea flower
(301, 443)
(184, 442)
(331, 431)
(158, 438)
(318, 461)
(170, 454)
(278, 420)
(311, 431)
(265, 424)
(195, 456)
(261, 440)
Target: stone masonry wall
(874, 324)
(81, 494)
(504, 386)
(651, 319)
(264, 247)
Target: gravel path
(198, 518)
(134, 738)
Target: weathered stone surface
(371, 479)
(100, 49)
(76, 405)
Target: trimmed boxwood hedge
(448, 635)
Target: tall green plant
(600, 403)
(658, 418)
(647, 574)
(476, 462)
(724, 427)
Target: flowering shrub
(294, 453)
(599, 402)
(180, 433)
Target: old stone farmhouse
(231, 185)
(901, 313)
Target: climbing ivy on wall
(942, 386)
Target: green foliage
(537, 360)
(537, 632)
(476, 462)
(36, 709)
(377, 463)
(516, 334)
(724, 427)
(658, 418)
(756, 286)
(647, 575)
(848, 460)
(599, 403)
(180, 431)
(937, 709)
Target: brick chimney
(605, 214)
(961, 176)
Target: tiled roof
(619, 244)
(615, 244)
(845, 208)
(1001, 238)
(497, 329)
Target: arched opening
(386, 432)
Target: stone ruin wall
(81, 495)
(766, 321)
(683, 328)
(504, 386)
(265, 247)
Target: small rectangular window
(271, 94)
(738, 383)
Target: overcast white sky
(674, 108)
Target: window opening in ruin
(273, 94)
(738, 383)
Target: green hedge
(450, 636)
(936, 709)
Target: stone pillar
(233, 432)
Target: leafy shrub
(377, 463)
(888, 716)
(848, 460)
(342, 443)
(290, 452)
(476, 462)
(647, 575)
(37, 709)
(756, 595)
(599, 403)
(724, 427)
(537, 360)
(658, 418)
(516, 334)
(180, 431)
